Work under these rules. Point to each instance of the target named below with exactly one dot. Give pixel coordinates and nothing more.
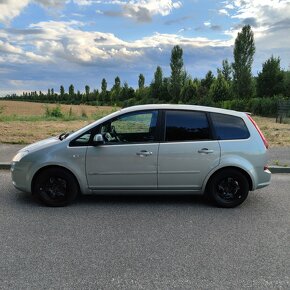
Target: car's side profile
(149, 149)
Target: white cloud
(224, 12)
(6, 47)
(269, 20)
(66, 42)
(50, 3)
(10, 9)
(139, 10)
(143, 10)
(85, 2)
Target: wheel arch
(244, 172)
(42, 169)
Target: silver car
(149, 149)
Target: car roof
(180, 107)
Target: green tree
(286, 85)
(156, 86)
(189, 92)
(117, 84)
(71, 91)
(104, 86)
(177, 72)
(244, 51)
(205, 85)
(208, 80)
(62, 92)
(127, 96)
(141, 82)
(220, 89)
(104, 93)
(271, 79)
(116, 91)
(87, 92)
(227, 70)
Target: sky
(48, 43)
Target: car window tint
(229, 127)
(186, 126)
(131, 128)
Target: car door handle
(144, 153)
(205, 150)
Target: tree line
(233, 87)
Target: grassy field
(24, 123)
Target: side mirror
(98, 140)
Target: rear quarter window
(229, 127)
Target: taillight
(259, 131)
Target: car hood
(41, 144)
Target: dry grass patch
(29, 132)
(278, 135)
(38, 109)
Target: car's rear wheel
(228, 188)
(55, 187)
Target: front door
(128, 158)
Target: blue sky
(48, 43)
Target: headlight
(20, 155)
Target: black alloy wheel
(228, 188)
(55, 187)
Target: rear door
(188, 152)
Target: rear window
(229, 127)
(186, 126)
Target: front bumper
(19, 174)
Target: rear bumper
(264, 179)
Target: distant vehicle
(149, 149)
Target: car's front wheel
(228, 188)
(55, 187)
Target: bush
(53, 112)
(266, 107)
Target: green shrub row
(266, 107)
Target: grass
(278, 135)
(25, 122)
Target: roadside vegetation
(26, 122)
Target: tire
(55, 187)
(228, 188)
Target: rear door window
(186, 126)
(229, 127)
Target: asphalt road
(145, 242)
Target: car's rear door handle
(144, 153)
(205, 150)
